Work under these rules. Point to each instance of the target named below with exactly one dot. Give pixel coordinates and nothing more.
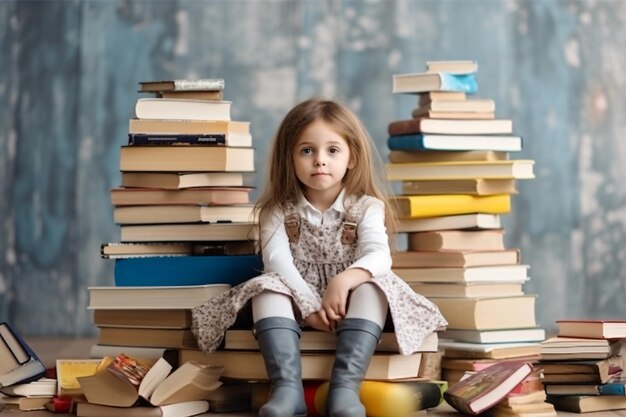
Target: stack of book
(582, 367)
(452, 158)
(187, 226)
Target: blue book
(430, 142)
(614, 387)
(29, 367)
(437, 81)
(186, 270)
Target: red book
(486, 388)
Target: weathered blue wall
(68, 81)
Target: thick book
(186, 270)
(185, 232)
(488, 313)
(101, 351)
(473, 186)
(451, 126)
(492, 239)
(488, 289)
(423, 82)
(602, 369)
(452, 67)
(470, 106)
(211, 139)
(587, 403)
(531, 334)
(486, 388)
(463, 115)
(19, 362)
(416, 206)
(477, 274)
(188, 127)
(148, 318)
(182, 109)
(140, 337)
(117, 250)
(186, 158)
(181, 180)
(458, 170)
(497, 351)
(423, 142)
(249, 365)
(596, 329)
(192, 94)
(429, 96)
(452, 222)
(161, 297)
(201, 84)
(614, 386)
(24, 403)
(184, 409)
(183, 213)
(445, 156)
(455, 259)
(205, 196)
(570, 348)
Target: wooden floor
(51, 349)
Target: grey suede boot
(279, 342)
(356, 341)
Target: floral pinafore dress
(319, 253)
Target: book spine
(140, 139)
(443, 205)
(216, 84)
(406, 143)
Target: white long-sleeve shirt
(373, 246)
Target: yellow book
(415, 206)
(512, 169)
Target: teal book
(186, 270)
(428, 142)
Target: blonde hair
(365, 178)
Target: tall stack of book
(186, 220)
(582, 368)
(452, 158)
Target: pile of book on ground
(457, 178)
(582, 368)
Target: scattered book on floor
(159, 297)
(185, 232)
(184, 409)
(186, 158)
(18, 361)
(201, 84)
(182, 109)
(186, 270)
(181, 180)
(488, 313)
(489, 289)
(69, 370)
(597, 329)
(456, 170)
(442, 240)
(25, 403)
(189, 127)
(587, 404)
(532, 334)
(454, 349)
(473, 186)
(486, 388)
(179, 213)
(43, 387)
(452, 67)
(569, 348)
(154, 196)
(149, 318)
(477, 274)
(442, 142)
(460, 221)
(423, 82)
(454, 259)
(211, 139)
(419, 206)
(443, 156)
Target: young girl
(327, 263)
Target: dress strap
(355, 208)
(292, 223)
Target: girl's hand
(315, 320)
(335, 299)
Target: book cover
(181, 180)
(485, 388)
(201, 84)
(503, 273)
(473, 186)
(453, 66)
(451, 126)
(443, 156)
(23, 364)
(457, 240)
(417, 206)
(587, 403)
(597, 329)
(182, 109)
(186, 270)
(454, 259)
(213, 196)
(533, 334)
(424, 82)
(186, 158)
(452, 222)
(458, 170)
(183, 213)
(210, 139)
(189, 127)
(185, 232)
(423, 142)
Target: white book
(501, 273)
(462, 221)
(182, 109)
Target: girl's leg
(357, 337)
(278, 336)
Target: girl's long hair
(365, 178)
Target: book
(191, 381)
(115, 250)
(180, 180)
(184, 232)
(473, 186)
(202, 84)
(531, 334)
(69, 370)
(454, 259)
(613, 386)
(134, 336)
(249, 365)
(188, 127)
(536, 409)
(424, 82)
(485, 388)
(316, 340)
(416, 206)
(489, 289)
(480, 274)
(463, 115)
(182, 109)
(429, 96)
(19, 362)
(186, 270)
(603, 369)
(531, 397)
(43, 387)
(98, 351)
(451, 126)
(471, 105)
(25, 403)
(564, 348)
(597, 329)
(454, 349)
(149, 318)
(211, 139)
(443, 156)
(452, 222)
(160, 297)
(492, 239)
(191, 94)
(153, 196)
(186, 158)
(434, 142)
(587, 403)
(488, 313)
(458, 170)
(183, 213)
(452, 67)
(184, 409)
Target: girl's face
(321, 158)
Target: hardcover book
(445, 156)
(433, 142)
(454, 259)
(480, 274)
(195, 196)
(451, 127)
(202, 84)
(186, 232)
(183, 213)
(424, 82)
(596, 329)
(18, 361)
(416, 206)
(188, 127)
(182, 109)
(458, 170)
(452, 222)
(211, 139)
(180, 180)
(453, 67)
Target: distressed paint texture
(68, 80)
